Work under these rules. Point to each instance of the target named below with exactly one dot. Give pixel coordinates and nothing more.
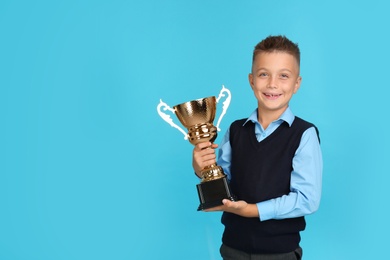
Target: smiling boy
(273, 161)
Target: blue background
(88, 170)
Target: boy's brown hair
(277, 44)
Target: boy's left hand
(237, 207)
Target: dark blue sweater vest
(261, 171)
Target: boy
(272, 160)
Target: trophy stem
(212, 172)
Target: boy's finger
(202, 146)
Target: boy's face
(274, 79)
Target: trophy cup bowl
(198, 116)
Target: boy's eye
(284, 76)
(263, 74)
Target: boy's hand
(240, 208)
(203, 155)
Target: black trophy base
(211, 193)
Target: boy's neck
(265, 118)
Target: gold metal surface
(196, 112)
(198, 116)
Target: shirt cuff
(266, 210)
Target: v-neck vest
(261, 171)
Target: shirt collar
(287, 116)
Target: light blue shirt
(306, 176)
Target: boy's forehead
(276, 58)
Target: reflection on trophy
(198, 116)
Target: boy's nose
(272, 82)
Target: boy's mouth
(271, 96)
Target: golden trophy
(198, 116)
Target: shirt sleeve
(224, 154)
(306, 183)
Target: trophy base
(211, 193)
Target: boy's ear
(297, 84)
(250, 78)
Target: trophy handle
(168, 118)
(226, 104)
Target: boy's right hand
(203, 155)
